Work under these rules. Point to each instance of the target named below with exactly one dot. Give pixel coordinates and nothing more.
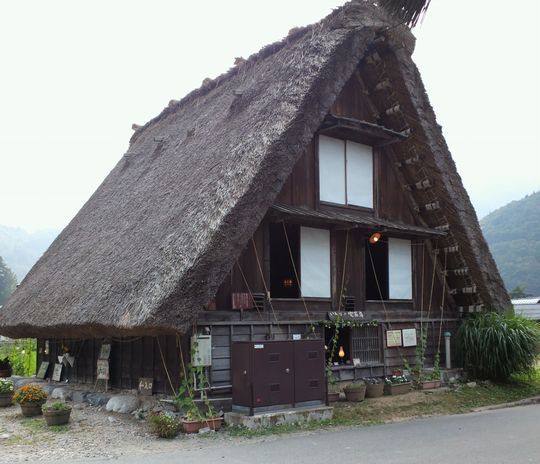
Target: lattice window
(366, 345)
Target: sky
(74, 77)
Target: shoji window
(399, 269)
(345, 172)
(315, 262)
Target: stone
(21, 381)
(97, 399)
(4, 436)
(204, 430)
(123, 404)
(471, 384)
(79, 396)
(62, 393)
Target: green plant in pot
(6, 392)
(57, 413)
(5, 367)
(397, 385)
(374, 387)
(355, 391)
(30, 398)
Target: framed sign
(57, 373)
(393, 338)
(356, 362)
(146, 384)
(409, 337)
(43, 368)
(102, 369)
(105, 351)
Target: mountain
(513, 235)
(21, 249)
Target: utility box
(273, 375)
(201, 350)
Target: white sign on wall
(409, 337)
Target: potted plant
(56, 413)
(30, 397)
(5, 367)
(333, 389)
(396, 385)
(374, 387)
(355, 391)
(6, 392)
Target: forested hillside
(513, 235)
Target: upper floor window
(345, 172)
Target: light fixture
(375, 238)
(341, 353)
(287, 283)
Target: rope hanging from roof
(263, 279)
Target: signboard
(393, 338)
(105, 351)
(146, 384)
(102, 369)
(57, 373)
(346, 315)
(356, 362)
(43, 368)
(409, 337)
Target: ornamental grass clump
(498, 345)
(163, 425)
(30, 394)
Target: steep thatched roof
(156, 239)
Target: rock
(205, 430)
(111, 419)
(4, 436)
(61, 393)
(123, 404)
(79, 396)
(471, 384)
(21, 381)
(97, 399)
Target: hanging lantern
(375, 238)
(341, 353)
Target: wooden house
(310, 183)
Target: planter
(428, 384)
(194, 426)
(355, 393)
(57, 417)
(333, 397)
(31, 409)
(5, 399)
(5, 373)
(374, 390)
(397, 389)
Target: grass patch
(39, 425)
(413, 405)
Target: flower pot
(355, 393)
(397, 389)
(194, 426)
(374, 390)
(31, 409)
(5, 399)
(428, 384)
(55, 417)
(333, 397)
(5, 373)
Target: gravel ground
(91, 433)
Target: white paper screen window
(399, 269)
(315, 262)
(359, 175)
(332, 170)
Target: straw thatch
(156, 239)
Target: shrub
(56, 406)
(497, 345)
(21, 354)
(30, 394)
(5, 364)
(163, 425)
(6, 386)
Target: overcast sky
(75, 75)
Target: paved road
(501, 436)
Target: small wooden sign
(43, 368)
(146, 384)
(102, 369)
(393, 338)
(409, 337)
(57, 373)
(105, 351)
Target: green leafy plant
(6, 386)
(163, 425)
(56, 406)
(497, 345)
(395, 380)
(21, 355)
(30, 394)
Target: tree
(518, 292)
(8, 281)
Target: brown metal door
(242, 372)
(309, 367)
(273, 383)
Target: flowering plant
(30, 394)
(6, 386)
(395, 380)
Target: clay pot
(194, 426)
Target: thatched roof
(154, 242)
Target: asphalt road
(501, 436)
